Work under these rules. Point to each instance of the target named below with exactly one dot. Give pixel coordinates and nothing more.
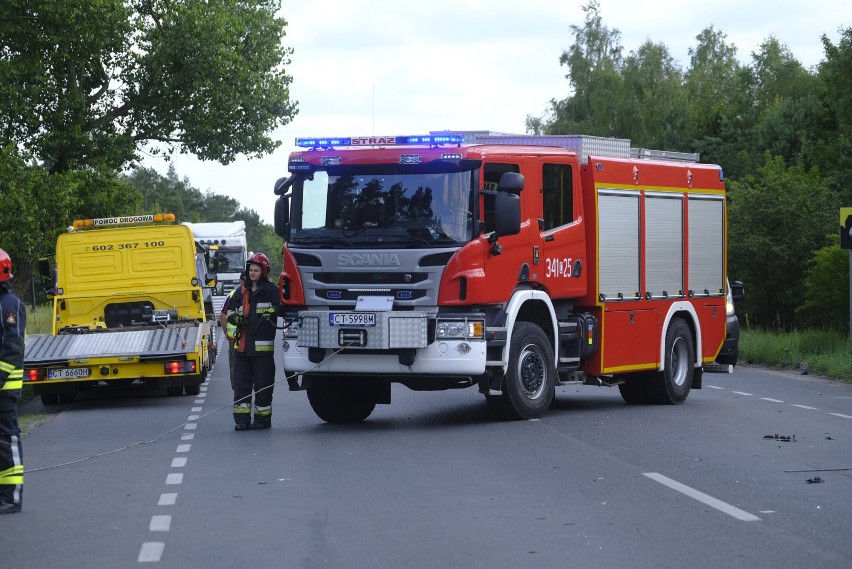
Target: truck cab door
(562, 258)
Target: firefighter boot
(9, 507)
(261, 423)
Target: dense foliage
(86, 87)
(782, 134)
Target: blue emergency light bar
(429, 139)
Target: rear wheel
(50, 399)
(67, 398)
(671, 386)
(530, 381)
(174, 390)
(339, 400)
(192, 389)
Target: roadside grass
(820, 352)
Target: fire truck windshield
(383, 209)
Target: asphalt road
(434, 481)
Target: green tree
(88, 84)
(655, 101)
(778, 219)
(593, 62)
(827, 287)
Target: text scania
(371, 259)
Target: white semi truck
(227, 253)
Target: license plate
(68, 373)
(352, 319)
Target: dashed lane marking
(160, 523)
(167, 499)
(151, 551)
(715, 503)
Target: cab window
(557, 194)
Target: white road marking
(167, 499)
(196, 410)
(741, 393)
(183, 448)
(174, 478)
(723, 507)
(803, 406)
(190, 426)
(160, 523)
(187, 436)
(179, 462)
(715, 387)
(192, 418)
(771, 400)
(198, 401)
(841, 415)
(151, 551)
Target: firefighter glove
(236, 319)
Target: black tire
(530, 381)
(634, 390)
(671, 386)
(174, 390)
(50, 399)
(191, 389)
(67, 398)
(338, 400)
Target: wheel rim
(679, 361)
(531, 370)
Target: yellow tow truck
(128, 304)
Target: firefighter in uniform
(253, 309)
(11, 381)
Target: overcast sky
(364, 67)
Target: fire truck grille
(367, 279)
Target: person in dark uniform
(253, 309)
(14, 323)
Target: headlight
(292, 331)
(729, 304)
(460, 329)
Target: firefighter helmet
(259, 259)
(5, 266)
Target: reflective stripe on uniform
(14, 475)
(263, 411)
(242, 408)
(264, 345)
(15, 378)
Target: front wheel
(530, 381)
(338, 400)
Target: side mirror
(507, 213)
(511, 182)
(210, 279)
(282, 216)
(737, 291)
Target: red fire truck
(512, 263)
